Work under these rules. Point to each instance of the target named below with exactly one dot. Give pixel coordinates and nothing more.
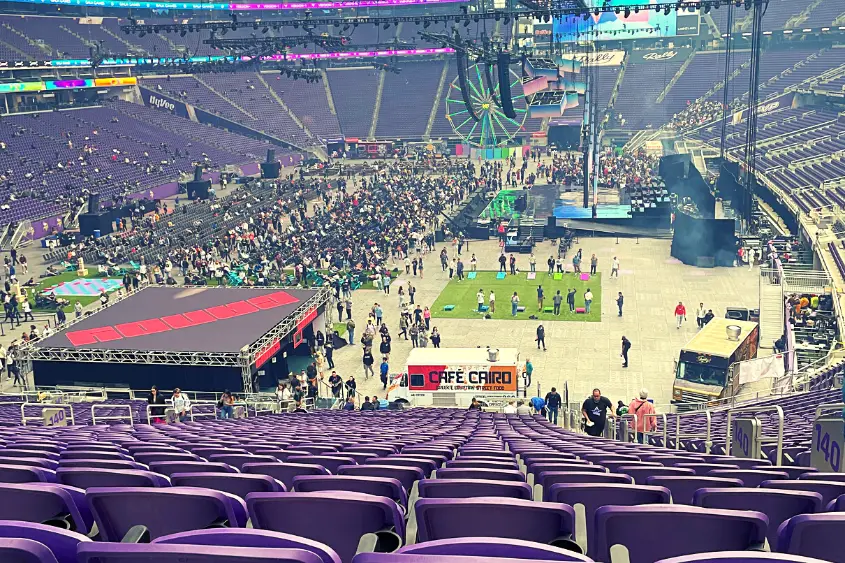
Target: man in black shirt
(337, 384)
(367, 405)
(594, 410)
(553, 402)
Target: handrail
(94, 416)
(829, 406)
(43, 406)
(757, 410)
(708, 443)
(628, 428)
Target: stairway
(675, 78)
(377, 108)
(771, 313)
(41, 45)
(199, 79)
(129, 46)
(281, 102)
(437, 100)
(532, 228)
(325, 80)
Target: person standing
(529, 369)
(156, 402)
(411, 292)
(700, 313)
(594, 410)
(435, 337)
(351, 389)
(588, 300)
(513, 264)
(452, 265)
(403, 325)
(421, 267)
(181, 404)
(642, 407)
(553, 402)
(502, 262)
(473, 263)
(532, 262)
(367, 360)
(680, 314)
(336, 383)
(459, 269)
(556, 301)
(541, 337)
(383, 370)
(551, 264)
(614, 267)
(427, 318)
(570, 300)
(339, 310)
(407, 265)
(479, 297)
(576, 263)
(348, 304)
(350, 329)
(594, 262)
(620, 300)
(415, 334)
(626, 345)
(540, 297)
(514, 304)
(492, 301)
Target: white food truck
(447, 377)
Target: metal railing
(763, 439)
(43, 406)
(95, 418)
(829, 407)
(629, 431)
(665, 432)
(708, 442)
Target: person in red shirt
(680, 313)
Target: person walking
(680, 314)
(553, 402)
(700, 313)
(642, 407)
(435, 337)
(415, 334)
(570, 300)
(351, 389)
(350, 329)
(459, 269)
(576, 263)
(383, 370)
(620, 300)
(540, 297)
(514, 304)
(452, 268)
(594, 410)
(367, 360)
(614, 267)
(626, 346)
(348, 304)
(594, 262)
(479, 297)
(328, 351)
(588, 300)
(529, 369)
(492, 301)
(541, 337)
(427, 318)
(336, 383)
(403, 326)
(557, 299)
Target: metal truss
(556, 11)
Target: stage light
(183, 33)
(265, 29)
(142, 33)
(386, 25)
(627, 12)
(748, 4)
(507, 19)
(596, 12)
(466, 22)
(546, 18)
(636, 9)
(706, 8)
(345, 27)
(617, 10)
(586, 16)
(666, 10)
(426, 23)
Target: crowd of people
(697, 113)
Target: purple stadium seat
(613, 466)
(491, 474)
(94, 454)
(469, 488)
(739, 557)
(247, 537)
(162, 511)
(592, 496)
(405, 475)
(344, 518)
(29, 462)
(103, 464)
(701, 469)
(813, 535)
(749, 477)
(62, 543)
(683, 488)
(483, 547)
(284, 472)
(170, 467)
(25, 551)
(148, 457)
(426, 465)
(44, 503)
(238, 484)
(641, 474)
(793, 471)
(545, 480)
(174, 553)
(829, 490)
(238, 460)
(372, 449)
(778, 506)
(24, 474)
(542, 522)
(330, 462)
(837, 505)
(475, 463)
(85, 477)
(378, 486)
(839, 477)
(652, 532)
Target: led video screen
(610, 26)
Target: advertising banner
(603, 58)
(676, 55)
(464, 378)
(165, 103)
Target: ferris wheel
(493, 128)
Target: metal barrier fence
(778, 439)
(95, 418)
(43, 407)
(708, 442)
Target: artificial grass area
(47, 283)
(462, 296)
(340, 328)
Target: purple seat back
(652, 532)
(168, 468)
(813, 535)
(492, 547)
(778, 506)
(330, 462)
(103, 464)
(475, 463)
(24, 474)
(43, 503)
(238, 484)
(682, 488)
(592, 496)
(344, 517)
(162, 511)
(543, 522)
(829, 490)
(739, 557)
(469, 488)
(284, 472)
(85, 477)
(701, 469)
(247, 537)
(425, 465)
(838, 477)
(62, 543)
(837, 504)
(491, 474)
(238, 460)
(24, 551)
(641, 473)
(405, 475)
(29, 462)
(173, 553)
(750, 477)
(541, 464)
(378, 486)
(547, 479)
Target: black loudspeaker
(462, 81)
(270, 170)
(93, 203)
(198, 189)
(521, 203)
(90, 222)
(503, 65)
(271, 155)
(197, 173)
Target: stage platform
(198, 338)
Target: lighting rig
(249, 46)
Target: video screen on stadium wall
(610, 26)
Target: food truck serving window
(702, 373)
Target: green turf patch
(47, 283)
(340, 328)
(462, 295)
